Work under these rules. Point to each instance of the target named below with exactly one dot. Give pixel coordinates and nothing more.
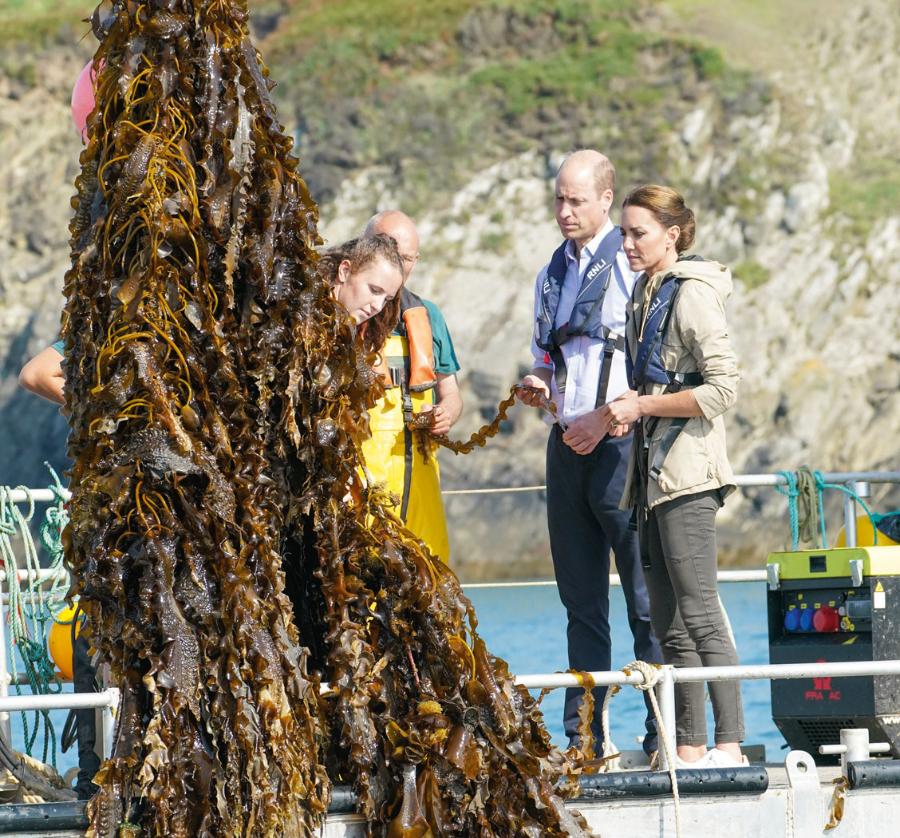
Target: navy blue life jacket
(646, 367)
(584, 320)
(589, 302)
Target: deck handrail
(665, 687)
(104, 699)
(543, 680)
(669, 676)
(744, 481)
(738, 672)
(616, 581)
(46, 576)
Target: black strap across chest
(585, 318)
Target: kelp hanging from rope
(217, 402)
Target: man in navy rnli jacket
(579, 323)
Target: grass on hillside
(577, 75)
(763, 34)
(42, 21)
(355, 47)
(349, 45)
(430, 89)
(751, 274)
(866, 193)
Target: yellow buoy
(59, 640)
(864, 535)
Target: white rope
(611, 757)
(651, 674)
(38, 782)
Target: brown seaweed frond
(223, 545)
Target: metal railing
(669, 676)
(616, 582)
(857, 482)
(106, 700)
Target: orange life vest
(415, 326)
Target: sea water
(527, 627)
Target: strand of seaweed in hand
(421, 422)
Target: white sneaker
(702, 762)
(717, 758)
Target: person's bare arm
(449, 404)
(43, 375)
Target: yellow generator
(831, 606)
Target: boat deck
(782, 809)
(792, 800)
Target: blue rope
(55, 519)
(822, 485)
(32, 610)
(791, 493)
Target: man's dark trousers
(86, 721)
(583, 495)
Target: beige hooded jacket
(696, 340)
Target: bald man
(580, 299)
(419, 367)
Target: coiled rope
(32, 606)
(651, 674)
(792, 493)
(805, 506)
(822, 485)
(805, 492)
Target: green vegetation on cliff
(41, 21)
(867, 194)
(434, 91)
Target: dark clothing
(583, 495)
(84, 681)
(680, 543)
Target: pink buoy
(83, 98)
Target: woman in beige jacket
(684, 374)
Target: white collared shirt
(584, 355)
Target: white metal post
(108, 725)
(854, 747)
(850, 517)
(665, 696)
(5, 731)
(856, 742)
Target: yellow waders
(393, 458)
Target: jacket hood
(712, 273)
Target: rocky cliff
(780, 126)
